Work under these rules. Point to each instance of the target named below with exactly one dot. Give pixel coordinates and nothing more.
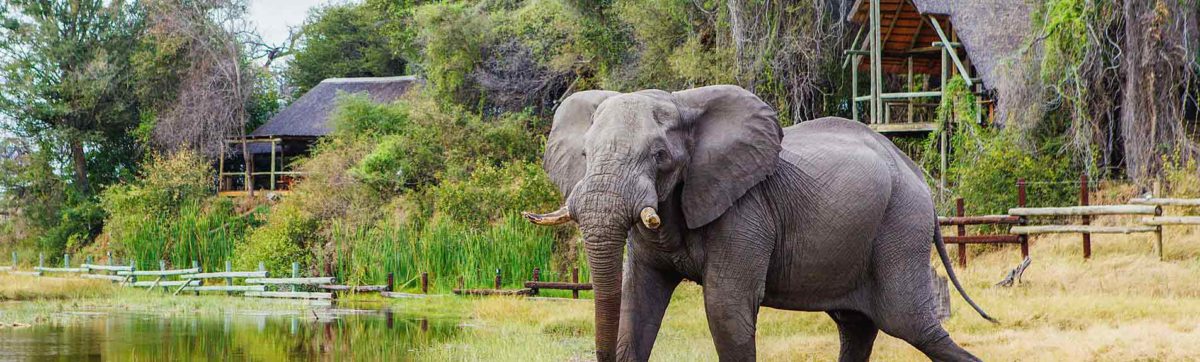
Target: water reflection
(328, 335)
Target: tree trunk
(79, 160)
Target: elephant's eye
(660, 156)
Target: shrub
(284, 239)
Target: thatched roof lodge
(925, 42)
(295, 129)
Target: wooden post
(196, 265)
(497, 284)
(249, 162)
(575, 279)
(855, 59)
(14, 264)
(162, 264)
(391, 282)
(221, 167)
(295, 273)
(108, 257)
(536, 278)
(876, 62)
(944, 138)
(41, 260)
(132, 268)
(66, 260)
(273, 164)
(1083, 201)
(1158, 236)
(962, 231)
(424, 283)
(228, 269)
(1021, 203)
(910, 85)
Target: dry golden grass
(18, 288)
(1123, 304)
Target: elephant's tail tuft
(941, 249)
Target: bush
(171, 213)
(985, 163)
(283, 240)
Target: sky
(273, 17)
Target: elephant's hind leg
(857, 335)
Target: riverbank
(1123, 304)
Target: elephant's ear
(735, 145)
(564, 160)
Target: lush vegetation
(116, 154)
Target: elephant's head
(616, 156)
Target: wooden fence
(1017, 221)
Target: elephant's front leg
(644, 298)
(734, 284)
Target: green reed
(447, 251)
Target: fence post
(537, 274)
(391, 281)
(41, 260)
(1158, 235)
(575, 279)
(162, 264)
(195, 265)
(497, 284)
(14, 255)
(295, 273)
(228, 280)
(1087, 220)
(424, 283)
(66, 260)
(1021, 203)
(959, 210)
(89, 260)
(132, 269)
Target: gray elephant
(704, 185)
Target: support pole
(1083, 201)
(876, 63)
(944, 138)
(221, 167)
(273, 143)
(391, 282)
(910, 88)
(854, 85)
(66, 260)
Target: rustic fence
(1017, 221)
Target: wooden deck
(257, 193)
(897, 128)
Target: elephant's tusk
(650, 218)
(560, 216)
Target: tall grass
(206, 235)
(448, 251)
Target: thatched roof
(990, 30)
(309, 115)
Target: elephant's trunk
(604, 218)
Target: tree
(345, 41)
(66, 76)
(216, 83)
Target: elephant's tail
(941, 249)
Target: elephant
(704, 185)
